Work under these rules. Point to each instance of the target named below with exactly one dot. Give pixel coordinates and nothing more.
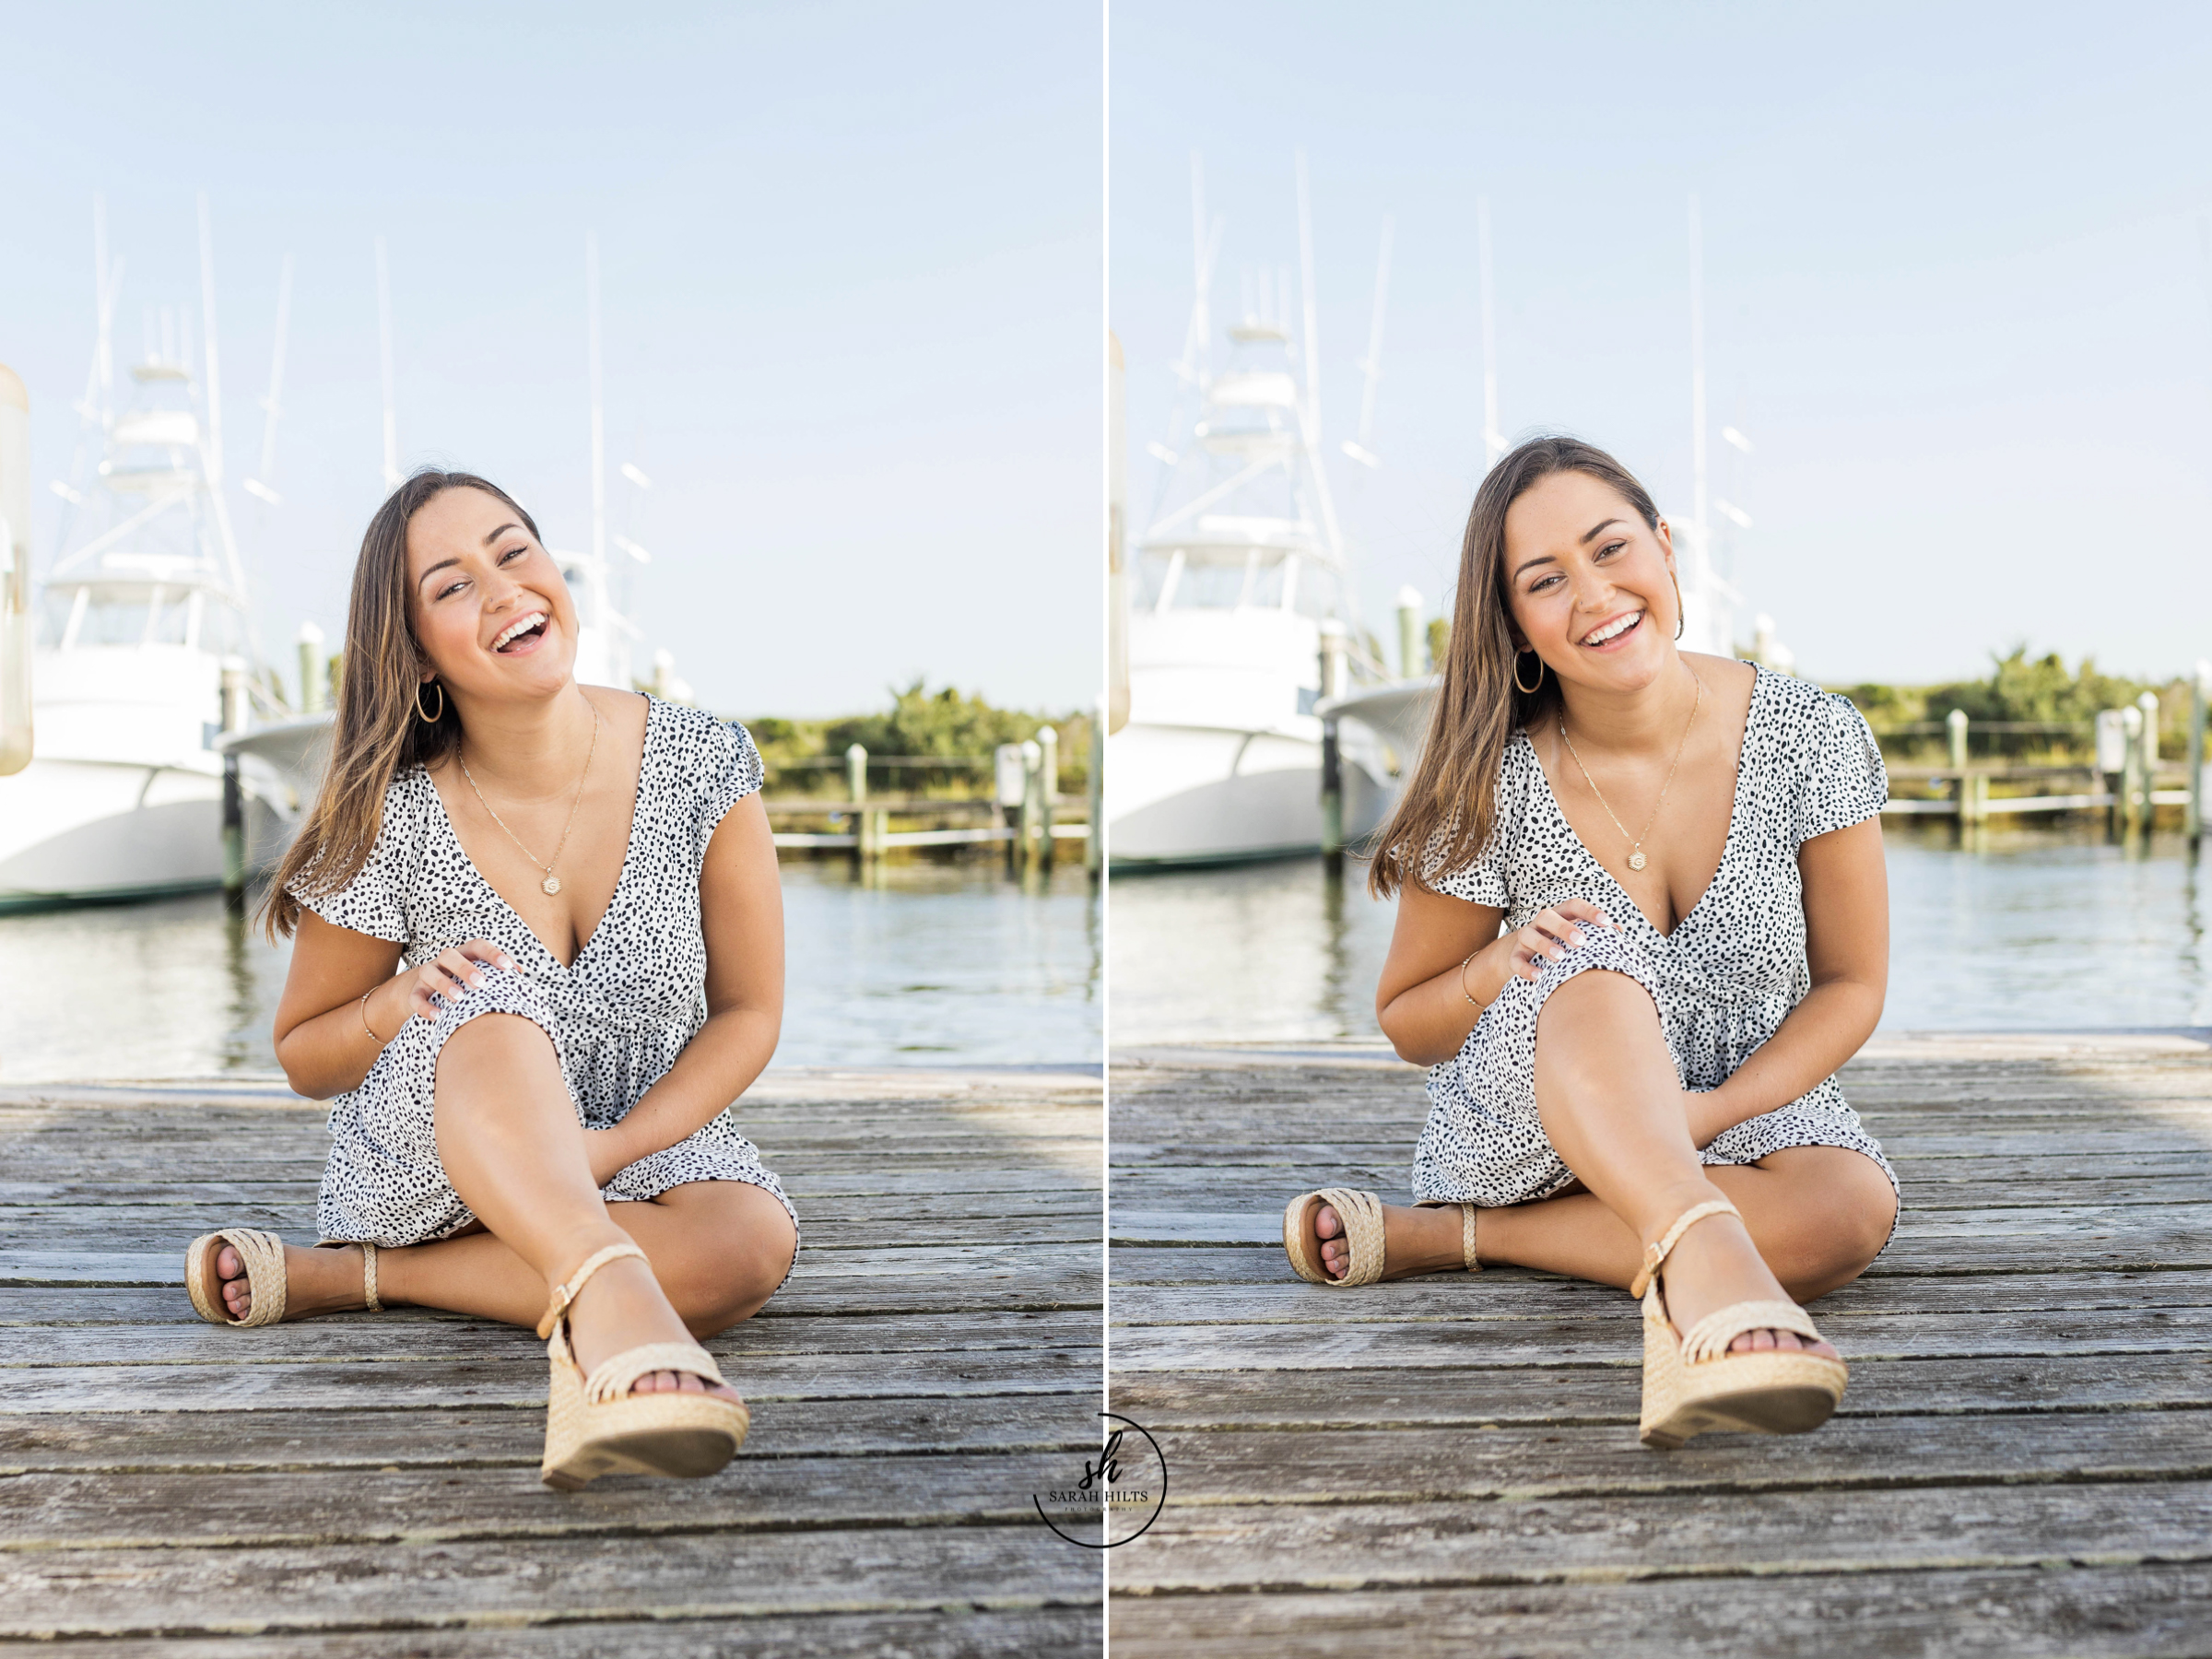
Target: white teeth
(1612, 629)
(520, 625)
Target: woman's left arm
(1847, 946)
(741, 913)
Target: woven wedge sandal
(1362, 1216)
(1692, 1385)
(594, 1426)
(263, 1253)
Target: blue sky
(1956, 285)
(850, 286)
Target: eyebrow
(433, 570)
(1586, 537)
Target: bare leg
(1610, 1103)
(512, 1148)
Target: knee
(1856, 1209)
(739, 1246)
(507, 1042)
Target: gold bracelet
(365, 1025)
(1462, 974)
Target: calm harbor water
(2030, 930)
(931, 964)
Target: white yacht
(1232, 584)
(139, 615)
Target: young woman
(540, 951)
(1633, 1080)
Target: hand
(426, 989)
(1550, 935)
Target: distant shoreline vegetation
(803, 757)
(2029, 710)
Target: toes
(1328, 1225)
(226, 1264)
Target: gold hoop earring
(1679, 609)
(1527, 690)
(423, 715)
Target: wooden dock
(2022, 1468)
(366, 1485)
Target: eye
(1611, 547)
(1542, 582)
(515, 552)
(451, 588)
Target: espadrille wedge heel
(1362, 1216)
(1692, 1385)
(594, 1426)
(263, 1253)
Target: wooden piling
(2132, 783)
(2200, 689)
(1332, 797)
(1413, 643)
(1094, 845)
(1033, 801)
(1048, 747)
(314, 677)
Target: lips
(521, 634)
(1616, 628)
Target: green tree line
(2021, 689)
(946, 724)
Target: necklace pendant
(1635, 862)
(552, 883)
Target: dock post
(857, 787)
(1032, 797)
(2112, 763)
(1332, 798)
(2148, 703)
(2200, 689)
(314, 677)
(2131, 771)
(1413, 645)
(1963, 791)
(233, 709)
(1048, 789)
(1094, 845)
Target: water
(936, 963)
(2032, 930)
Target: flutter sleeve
(734, 769)
(1483, 881)
(1844, 781)
(374, 900)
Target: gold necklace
(552, 882)
(1636, 859)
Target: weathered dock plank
(1449, 1464)
(367, 1484)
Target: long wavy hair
(1444, 818)
(380, 731)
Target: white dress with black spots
(619, 1015)
(1723, 980)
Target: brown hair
(1444, 821)
(379, 731)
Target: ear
(1666, 542)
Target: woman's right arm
(321, 1041)
(1448, 962)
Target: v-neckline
(1736, 816)
(629, 852)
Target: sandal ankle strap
(1467, 1238)
(565, 1294)
(369, 1279)
(1655, 1255)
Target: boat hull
(1208, 796)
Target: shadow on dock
(2023, 1465)
(366, 1485)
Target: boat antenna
(384, 337)
(1311, 414)
(211, 450)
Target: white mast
(213, 447)
(1493, 442)
(1697, 376)
(591, 283)
(1362, 448)
(258, 484)
(1311, 365)
(384, 335)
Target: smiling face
(490, 606)
(1589, 583)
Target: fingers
(1552, 933)
(485, 952)
(453, 970)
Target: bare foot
(622, 1307)
(1714, 1265)
(1415, 1241)
(315, 1281)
